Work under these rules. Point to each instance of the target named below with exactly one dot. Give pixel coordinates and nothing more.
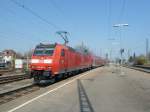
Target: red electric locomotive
(50, 61)
(98, 61)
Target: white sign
(18, 63)
(7, 58)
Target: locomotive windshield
(43, 51)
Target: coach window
(62, 52)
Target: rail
(139, 67)
(8, 79)
(142, 66)
(11, 95)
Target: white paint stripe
(24, 104)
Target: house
(8, 55)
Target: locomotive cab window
(45, 51)
(62, 52)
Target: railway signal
(121, 51)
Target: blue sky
(88, 21)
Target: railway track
(11, 95)
(140, 68)
(5, 71)
(8, 79)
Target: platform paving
(105, 89)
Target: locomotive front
(41, 62)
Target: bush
(141, 60)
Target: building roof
(9, 52)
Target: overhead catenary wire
(35, 14)
(4, 37)
(60, 10)
(109, 24)
(19, 33)
(109, 17)
(120, 18)
(56, 6)
(122, 11)
(121, 14)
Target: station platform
(104, 89)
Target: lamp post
(121, 49)
(120, 25)
(110, 51)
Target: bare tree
(28, 54)
(83, 49)
(19, 55)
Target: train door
(66, 60)
(63, 60)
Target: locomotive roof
(46, 45)
(41, 45)
(70, 48)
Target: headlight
(34, 60)
(48, 61)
